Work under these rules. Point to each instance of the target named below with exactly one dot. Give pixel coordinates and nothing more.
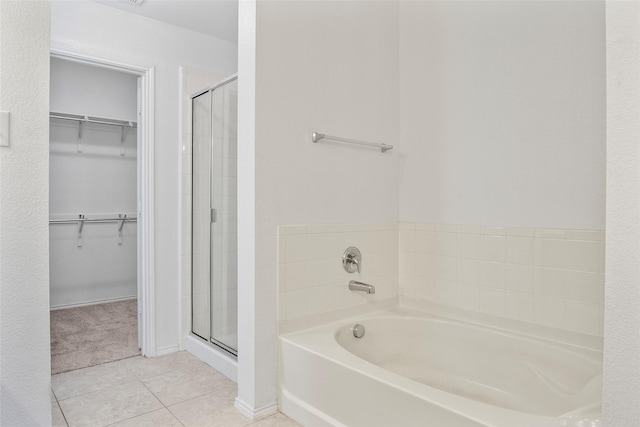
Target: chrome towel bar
(316, 137)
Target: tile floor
(173, 390)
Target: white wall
(25, 369)
(99, 183)
(502, 113)
(621, 394)
(92, 91)
(252, 390)
(103, 32)
(337, 75)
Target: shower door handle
(214, 215)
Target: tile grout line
(155, 397)
(108, 387)
(96, 391)
(139, 415)
(174, 415)
(64, 417)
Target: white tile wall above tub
(311, 279)
(520, 250)
(468, 245)
(552, 277)
(493, 248)
(519, 306)
(446, 243)
(492, 301)
(468, 271)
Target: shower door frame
(230, 350)
(146, 186)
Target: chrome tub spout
(364, 287)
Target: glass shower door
(214, 216)
(201, 217)
(224, 230)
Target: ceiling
(216, 18)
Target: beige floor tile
(144, 368)
(53, 397)
(57, 419)
(161, 417)
(201, 412)
(277, 420)
(87, 380)
(110, 405)
(187, 383)
(206, 404)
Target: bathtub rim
(422, 309)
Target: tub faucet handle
(352, 260)
(355, 261)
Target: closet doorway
(98, 248)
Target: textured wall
(621, 390)
(25, 373)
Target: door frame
(145, 188)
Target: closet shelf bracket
(81, 220)
(122, 220)
(80, 131)
(124, 136)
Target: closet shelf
(92, 119)
(82, 120)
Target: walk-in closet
(93, 198)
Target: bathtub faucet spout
(359, 286)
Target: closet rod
(82, 219)
(91, 119)
(105, 220)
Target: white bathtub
(416, 369)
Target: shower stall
(214, 271)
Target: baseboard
(168, 350)
(252, 413)
(218, 359)
(84, 304)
